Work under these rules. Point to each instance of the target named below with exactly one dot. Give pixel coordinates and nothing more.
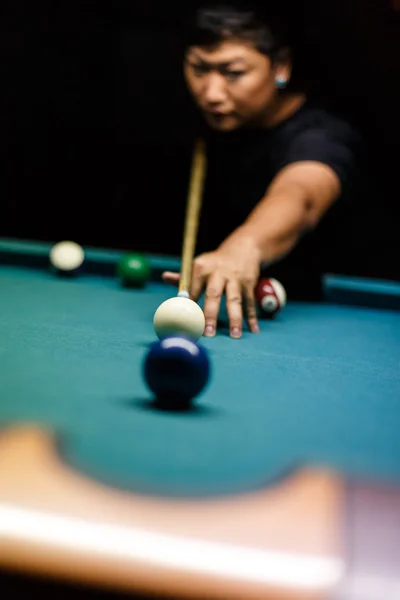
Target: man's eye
(198, 69)
(233, 75)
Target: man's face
(233, 84)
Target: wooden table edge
(284, 541)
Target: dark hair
(264, 26)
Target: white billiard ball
(179, 316)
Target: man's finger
(170, 277)
(197, 286)
(212, 302)
(235, 308)
(251, 309)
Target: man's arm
(294, 203)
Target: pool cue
(194, 201)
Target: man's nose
(214, 91)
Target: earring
(280, 82)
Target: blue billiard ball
(176, 369)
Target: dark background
(96, 136)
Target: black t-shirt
(242, 164)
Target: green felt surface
(320, 385)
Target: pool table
(280, 482)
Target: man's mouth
(218, 114)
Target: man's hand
(232, 269)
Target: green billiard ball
(133, 270)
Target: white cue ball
(179, 316)
(67, 256)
